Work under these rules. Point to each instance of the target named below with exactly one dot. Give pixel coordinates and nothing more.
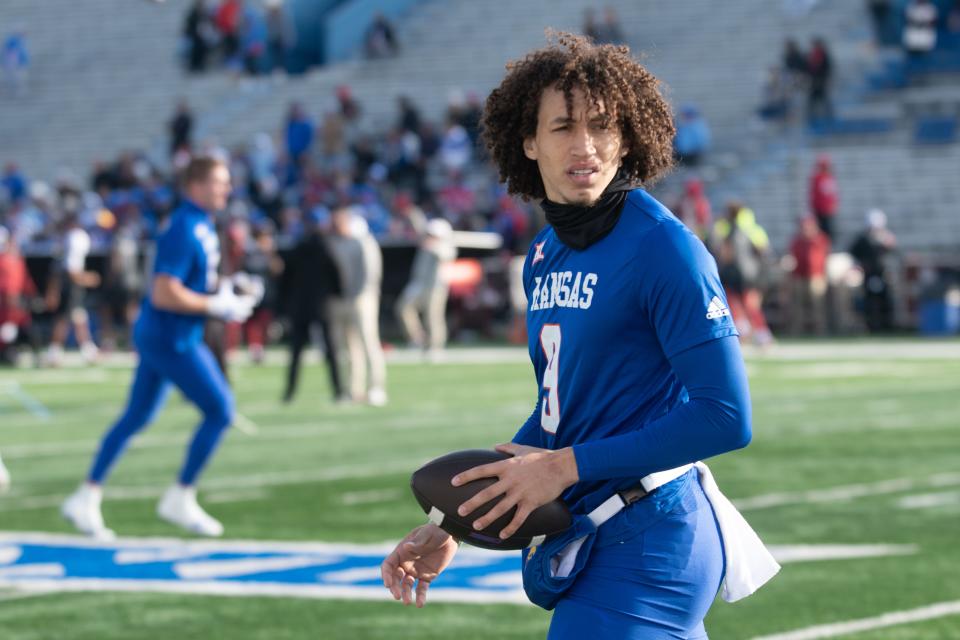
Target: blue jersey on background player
(169, 340)
(638, 367)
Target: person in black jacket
(311, 279)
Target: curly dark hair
(631, 96)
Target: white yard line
(228, 483)
(351, 498)
(845, 492)
(837, 629)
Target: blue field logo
(48, 562)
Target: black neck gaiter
(579, 226)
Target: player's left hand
(531, 478)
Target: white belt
(612, 505)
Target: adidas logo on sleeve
(716, 309)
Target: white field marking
(286, 431)
(36, 408)
(39, 570)
(54, 377)
(216, 569)
(836, 629)
(148, 556)
(812, 552)
(21, 595)
(818, 370)
(270, 590)
(226, 497)
(247, 481)
(9, 555)
(245, 425)
(930, 500)
(351, 498)
(499, 580)
(861, 350)
(844, 492)
(351, 575)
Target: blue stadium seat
(935, 130)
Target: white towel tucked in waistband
(749, 564)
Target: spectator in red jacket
(694, 210)
(809, 248)
(824, 195)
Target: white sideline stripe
(812, 552)
(285, 431)
(197, 547)
(21, 595)
(351, 575)
(246, 589)
(9, 555)
(845, 492)
(215, 569)
(148, 556)
(226, 497)
(833, 630)
(351, 498)
(38, 570)
(509, 579)
(247, 481)
(929, 500)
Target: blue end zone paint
(69, 563)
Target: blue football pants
(647, 580)
(198, 376)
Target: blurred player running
(169, 339)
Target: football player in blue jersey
(636, 357)
(169, 339)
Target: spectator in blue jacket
(693, 136)
(299, 133)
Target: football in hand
(440, 499)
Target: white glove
(227, 305)
(250, 285)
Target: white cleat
(82, 510)
(4, 478)
(377, 397)
(179, 507)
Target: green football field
(855, 443)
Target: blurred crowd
(285, 184)
(815, 286)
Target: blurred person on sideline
(123, 286)
(740, 245)
(71, 282)
(824, 195)
(427, 290)
(185, 289)
(871, 250)
(312, 280)
(17, 293)
(263, 263)
(356, 311)
(639, 372)
(810, 248)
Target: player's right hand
(227, 305)
(417, 559)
